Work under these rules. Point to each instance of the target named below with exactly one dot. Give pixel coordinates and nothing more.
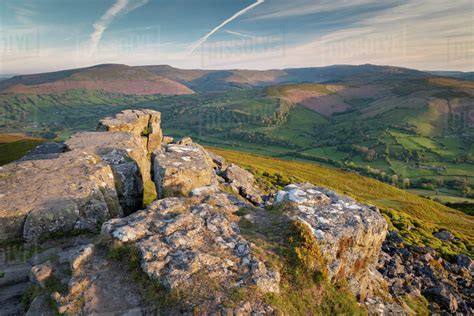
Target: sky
(48, 35)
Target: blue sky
(45, 35)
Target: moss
(243, 211)
(418, 304)
(149, 192)
(146, 131)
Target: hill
(218, 80)
(108, 78)
(454, 74)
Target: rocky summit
(79, 237)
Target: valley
(404, 127)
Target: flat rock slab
(178, 169)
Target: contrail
(119, 7)
(203, 39)
(240, 34)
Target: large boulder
(74, 191)
(241, 181)
(349, 234)
(183, 242)
(143, 123)
(178, 169)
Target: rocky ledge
(188, 244)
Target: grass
(149, 192)
(415, 217)
(14, 146)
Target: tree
(406, 183)
(394, 180)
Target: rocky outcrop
(349, 234)
(80, 184)
(188, 242)
(143, 123)
(49, 150)
(420, 271)
(178, 169)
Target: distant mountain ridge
(167, 80)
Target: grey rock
(349, 234)
(45, 196)
(40, 307)
(44, 256)
(143, 123)
(178, 169)
(39, 274)
(49, 150)
(127, 159)
(99, 286)
(444, 235)
(185, 141)
(14, 274)
(219, 162)
(80, 255)
(243, 182)
(444, 297)
(464, 261)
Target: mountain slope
(109, 78)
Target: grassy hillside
(15, 146)
(415, 217)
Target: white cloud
(239, 34)
(285, 9)
(24, 13)
(203, 39)
(120, 7)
